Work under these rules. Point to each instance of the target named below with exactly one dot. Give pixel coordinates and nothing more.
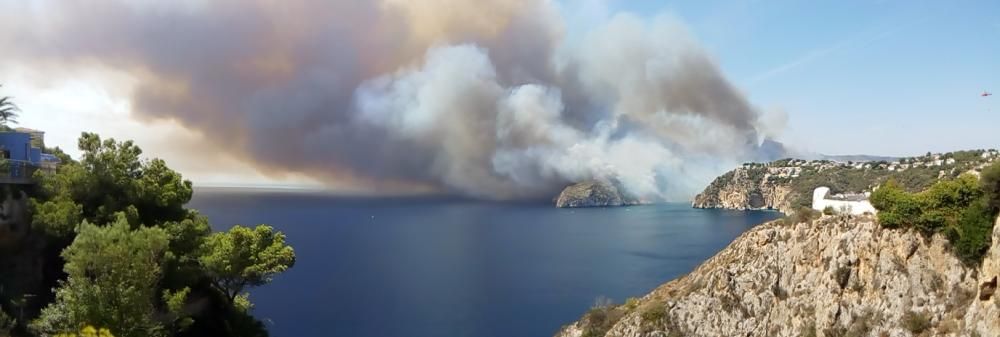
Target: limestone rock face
(835, 276)
(744, 189)
(592, 194)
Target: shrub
(944, 203)
(653, 315)
(989, 182)
(601, 317)
(808, 330)
(835, 331)
(631, 303)
(960, 208)
(842, 276)
(896, 208)
(88, 331)
(800, 215)
(780, 293)
(975, 226)
(829, 210)
(915, 322)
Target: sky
(834, 77)
(874, 77)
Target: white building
(856, 204)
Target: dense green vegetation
(135, 259)
(113, 272)
(963, 209)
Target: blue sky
(877, 77)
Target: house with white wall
(856, 204)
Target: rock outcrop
(835, 276)
(593, 194)
(746, 188)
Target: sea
(442, 267)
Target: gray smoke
(481, 98)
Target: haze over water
(414, 267)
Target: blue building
(16, 146)
(20, 157)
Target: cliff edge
(748, 187)
(835, 276)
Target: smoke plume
(486, 98)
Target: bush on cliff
(800, 215)
(973, 235)
(601, 317)
(990, 180)
(959, 208)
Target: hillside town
(972, 161)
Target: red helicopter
(986, 94)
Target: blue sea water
(417, 267)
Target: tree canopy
(110, 178)
(113, 273)
(245, 257)
(136, 257)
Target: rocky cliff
(747, 188)
(835, 276)
(593, 194)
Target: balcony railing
(17, 171)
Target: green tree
(113, 274)
(58, 217)
(944, 202)
(160, 193)
(111, 178)
(896, 208)
(181, 266)
(243, 257)
(142, 202)
(176, 315)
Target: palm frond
(5, 102)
